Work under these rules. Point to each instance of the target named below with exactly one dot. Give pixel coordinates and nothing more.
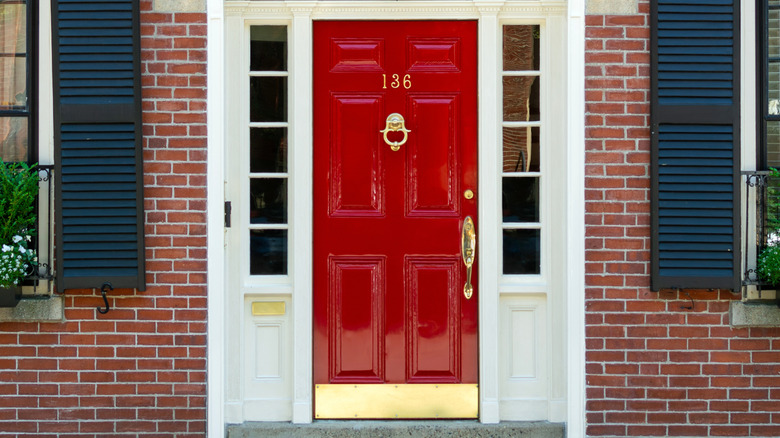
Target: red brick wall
(655, 367)
(141, 368)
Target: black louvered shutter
(97, 124)
(695, 144)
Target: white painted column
(489, 197)
(575, 219)
(215, 195)
(301, 168)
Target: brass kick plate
(396, 401)
(265, 308)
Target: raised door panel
(356, 171)
(433, 314)
(356, 55)
(433, 172)
(356, 296)
(433, 55)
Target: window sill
(754, 314)
(44, 309)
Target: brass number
(396, 82)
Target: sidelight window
(268, 134)
(521, 150)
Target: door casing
(562, 29)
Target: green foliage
(18, 189)
(773, 203)
(769, 264)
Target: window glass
(521, 47)
(267, 150)
(14, 107)
(521, 251)
(268, 99)
(521, 98)
(269, 48)
(14, 138)
(268, 252)
(520, 199)
(521, 149)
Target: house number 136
(396, 81)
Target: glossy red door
(389, 305)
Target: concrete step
(397, 429)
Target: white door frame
(300, 15)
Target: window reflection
(521, 149)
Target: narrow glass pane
(13, 28)
(268, 99)
(773, 144)
(14, 139)
(13, 82)
(773, 33)
(268, 201)
(268, 46)
(773, 88)
(521, 251)
(521, 149)
(520, 199)
(268, 150)
(521, 98)
(268, 252)
(521, 47)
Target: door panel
(433, 155)
(356, 309)
(389, 306)
(434, 318)
(356, 186)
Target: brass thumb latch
(395, 122)
(468, 249)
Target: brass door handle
(395, 122)
(468, 249)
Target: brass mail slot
(265, 308)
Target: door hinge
(228, 210)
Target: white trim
(215, 168)
(748, 86)
(575, 220)
(489, 160)
(45, 93)
(301, 170)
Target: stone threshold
(397, 429)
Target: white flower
(17, 239)
(22, 250)
(6, 248)
(28, 238)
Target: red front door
(389, 276)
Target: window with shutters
(762, 212)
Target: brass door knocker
(395, 122)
